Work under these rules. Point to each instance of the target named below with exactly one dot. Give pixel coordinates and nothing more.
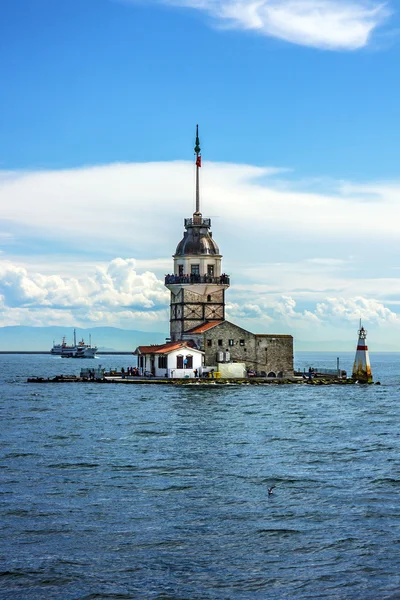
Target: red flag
(198, 161)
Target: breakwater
(193, 382)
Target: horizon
(141, 337)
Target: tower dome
(197, 238)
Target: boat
(77, 350)
(63, 348)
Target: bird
(270, 490)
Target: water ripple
(161, 493)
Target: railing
(198, 221)
(222, 280)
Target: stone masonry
(272, 354)
(189, 309)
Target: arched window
(189, 361)
(179, 361)
(271, 374)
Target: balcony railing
(221, 280)
(198, 221)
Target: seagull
(270, 490)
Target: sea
(161, 492)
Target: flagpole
(197, 150)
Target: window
(208, 298)
(220, 343)
(189, 361)
(179, 362)
(180, 267)
(210, 270)
(231, 342)
(162, 362)
(241, 342)
(209, 343)
(195, 269)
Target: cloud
(326, 24)
(108, 295)
(352, 309)
(119, 295)
(289, 251)
(138, 210)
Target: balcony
(188, 279)
(197, 222)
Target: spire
(197, 146)
(197, 150)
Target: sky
(298, 107)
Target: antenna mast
(197, 151)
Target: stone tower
(197, 284)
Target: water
(158, 492)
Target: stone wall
(266, 352)
(189, 309)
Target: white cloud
(328, 24)
(138, 209)
(352, 309)
(112, 295)
(118, 295)
(328, 311)
(277, 242)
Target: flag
(198, 161)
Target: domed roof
(197, 240)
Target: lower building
(174, 360)
(269, 355)
(216, 343)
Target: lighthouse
(200, 335)
(362, 367)
(197, 284)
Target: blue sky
(298, 108)
(99, 81)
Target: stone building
(197, 307)
(268, 354)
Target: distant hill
(112, 339)
(105, 338)
(348, 345)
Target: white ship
(77, 350)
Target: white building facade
(175, 360)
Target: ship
(77, 350)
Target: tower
(197, 284)
(362, 367)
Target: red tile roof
(164, 348)
(204, 327)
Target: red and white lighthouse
(362, 367)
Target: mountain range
(107, 339)
(111, 339)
